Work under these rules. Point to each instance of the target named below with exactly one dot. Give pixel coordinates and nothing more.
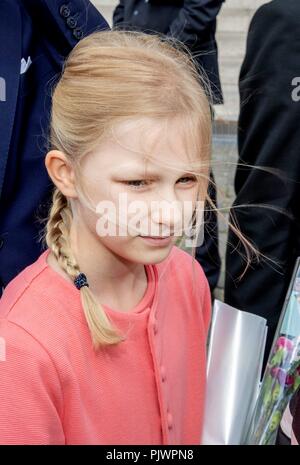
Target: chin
(155, 256)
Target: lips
(156, 237)
(157, 240)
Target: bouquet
(282, 376)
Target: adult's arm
(65, 23)
(194, 19)
(118, 14)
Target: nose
(167, 215)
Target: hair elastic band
(80, 281)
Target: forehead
(147, 142)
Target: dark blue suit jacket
(46, 31)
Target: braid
(57, 239)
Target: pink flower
(274, 372)
(289, 381)
(284, 343)
(282, 377)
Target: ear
(61, 172)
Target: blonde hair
(109, 77)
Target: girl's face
(131, 199)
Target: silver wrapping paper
(234, 363)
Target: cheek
(114, 243)
(190, 199)
(125, 247)
(90, 219)
(96, 191)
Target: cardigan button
(163, 373)
(170, 420)
(154, 324)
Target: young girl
(104, 336)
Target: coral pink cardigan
(55, 389)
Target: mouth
(158, 240)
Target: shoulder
(278, 7)
(274, 31)
(36, 300)
(23, 286)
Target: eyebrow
(140, 173)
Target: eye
(137, 183)
(187, 180)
